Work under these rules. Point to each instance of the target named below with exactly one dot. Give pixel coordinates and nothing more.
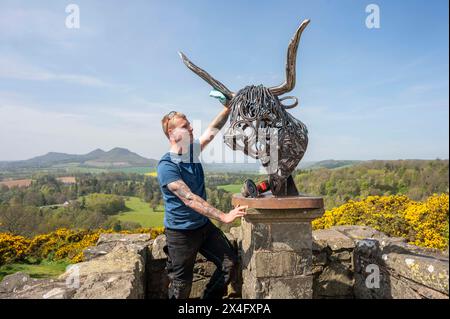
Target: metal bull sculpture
(261, 127)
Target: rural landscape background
(53, 206)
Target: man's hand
(237, 212)
(219, 95)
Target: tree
(18, 219)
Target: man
(187, 226)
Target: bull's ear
(207, 77)
(289, 106)
(289, 83)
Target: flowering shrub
(12, 248)
(422, 223)
(61, 244)
(429, 222)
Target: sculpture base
(277, 245)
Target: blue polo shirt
(187, 167)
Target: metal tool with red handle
(250, 189)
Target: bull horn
(207, 77)
(289, 84)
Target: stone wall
(120, 266)
(345, 259)
(114, 269)
(360, 262)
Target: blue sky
(364, 93)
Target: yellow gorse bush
(61, 244)
(12, 248)
(422, 223)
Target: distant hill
(122, 158)
(255, 167)
(117, 157)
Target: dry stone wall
(348, 262)
(360, 262)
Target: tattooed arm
(184, 193)
(214, 127)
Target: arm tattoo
(220, 120)
(183, 192)
(214, 127)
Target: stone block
(356, 232)
(319, 259)
(139, 243)
(255, 236)
(291, 236)
(158, 247)
(96, 251)
(335, 280)
(15, 282)
(343, 256)
(280, 264)
(123, 238)
(40, 289)
(333, 239)
(429, 272)
(296, 287)
(117, 275)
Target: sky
(365, 93)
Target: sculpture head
(261, 127)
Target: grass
(141, 212)
(232, 188)
(46, 269)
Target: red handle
(263, 186)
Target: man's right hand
(237, 212)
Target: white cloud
(14, 68)
(37, 23)
(26, 132)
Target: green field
(46, 269)
(141, 212)
(232, 188)
(136, 170)
(82, 169)
(95, 170)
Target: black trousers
(181, 249)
